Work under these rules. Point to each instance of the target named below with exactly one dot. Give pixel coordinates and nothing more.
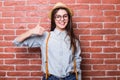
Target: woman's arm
(38, 30)
(78, 60)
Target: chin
(62, 26)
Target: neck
(60, 29)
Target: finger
(41, 28)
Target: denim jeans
(52, 77)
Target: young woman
(60, 48)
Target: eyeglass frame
(65, 17)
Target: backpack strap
(47, 72)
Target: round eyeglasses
(59, 17)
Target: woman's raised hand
(38, 30)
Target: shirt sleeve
(78, 59)
(32, 41)
(79, 76)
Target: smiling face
(61, 19)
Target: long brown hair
(68, 28)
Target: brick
(115, 37)
(111, 49)
(91, 49)
(7, 8)
(16, 61)
(103, 43)
(86, 67)
(91, 13)
(0, 3)
(1, 31)
(92, 61)
(84, 43)
(26, 8)
(1, 26)
(118, 78)
(81, 31)
(2, 73)
(104, 56)
(36, 14)
(79, 7)
(118, 31)
(37, 2)
(0, 14)
(30, 50)
(1, 49)
(90, 25)
(18, 73)
(91, 38)
(75, 13)
(102, 7)
(44, 21)
(7, 32)
(9, 37)
(1, 37)
(18, 32)
(27, 55)
(36, 73)
(81, 19)
(5, 43)
(35, 61)
(111, 25)
(94, 73)
(85, 55)
(14, 3)
(110, 1)
(7, 78)
(118, 19)
(113, 73)
(112, 61)
(26, 20)
(44, 8)
(64, 1)
(103, 19)
(7, 55)
(104, 67)
(111, 13)
(118, 7)
(6, 20)
(118, 43)
(118, 55)
(27, 68)
(13, 14)
(15, 26)
(105, 78)
(15, 50)
(1, 61)
(103, 32)
(89, 1)
(3, 67)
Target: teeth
(62, 23)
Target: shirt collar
(60, 33)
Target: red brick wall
(97, 25)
